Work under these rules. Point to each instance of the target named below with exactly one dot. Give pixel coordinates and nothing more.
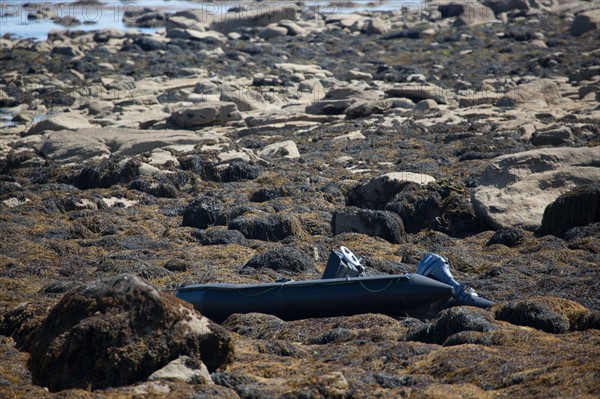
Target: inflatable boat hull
(391, 295)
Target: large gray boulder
(119, 331)
(206, 114)
(515, 189)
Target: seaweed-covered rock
(268, 193)
(283, 259)
(578, 207)
(234, 171)
(507, 237)
(155, 188)
(377, 192)
(452, 321)
(254, 325)
(107, 173)
(550, 314)
(22, 321)
(384, 224)
(203, 212)
(272, 227)
(119, 331)
(221, 236)
(575, 233)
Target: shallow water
(109, 14)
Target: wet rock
(361, 109)
(452, 321)
(198, 164)
(149, 44)
(235, 171)
(377, 192)
(515, 189)
(549, 314)
(585, 22)
(273, 227)
(224, 237)
(260, 15)
(578, 207)
(155, 188)
(203, 212)
(205, 114)
(419, 91)
(577, 233)
(144, 18)
(554, 137)
(184, 369)
(283, 259)
(64, 356)
(506, 237)
(107, 173)
(384, 224)
(501, 6)
(449, 10)
(68, 51)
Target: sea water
(15, 16)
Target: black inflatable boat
(342, 291)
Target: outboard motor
(341, 264)
(438, 268)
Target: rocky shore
(243, 147)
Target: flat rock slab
(96, 143)
(515, 189)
